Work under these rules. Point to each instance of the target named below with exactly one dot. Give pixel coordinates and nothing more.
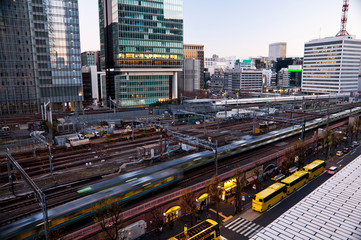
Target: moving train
(198, 159)
(32, 226)
(135, 184)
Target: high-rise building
(217, 80)
(191, 51)
(141, 45)
(331, 65)
(283, 78)
(90, 84)
(243, 79)
(295, 72)
(191, 76)
(90, 58)
(39, 55)
(277, 50)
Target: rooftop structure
(332, 211)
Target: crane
(343, 31)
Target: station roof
(332, 211)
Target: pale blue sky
(245, 28)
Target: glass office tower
(57, 41)
(18, 92)
(141, 49)
(40, 55)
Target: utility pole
(12, 163)
(37, 138)
(215, 158)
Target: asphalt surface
(249, 223)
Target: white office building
(242, 79)
(283, 78)
(331, 65)
(277, 50)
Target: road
(244, 227)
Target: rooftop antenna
(343, 31)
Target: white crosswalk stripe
(244, 227)
(239, 221)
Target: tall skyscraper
(331, 65)
(141, 49)
(39, 55)
(277, 50)
(196, 51)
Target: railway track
(21, 206)
(62, 197)
(40, 165)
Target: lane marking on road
(353, 152)
(339, 161)
(227, 218)
(221, 214)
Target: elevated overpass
(292, 99)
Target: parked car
(339, 153)
(345, 150)
(332, 170)
(355, 143)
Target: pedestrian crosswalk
(244, 227)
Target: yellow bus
(295, 181)
(315, 168)
(207, 229)
(269, 197)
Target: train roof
(80, 203)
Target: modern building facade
(141, 49)
(252, 80)
(195, 51)
(39, 55)
(90, 84)
(243, 79)
(191, 76)
(283, 78)
(90, 58)
(217, 80)
(277, 50)
(295, 72)
(331, 65)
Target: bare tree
(110, 220)
(214, 191)
(189, 204)
(350, 132)
(239, 177)
(156, 221)
(299, 150)
(327, 139)
(357, 127)
(317, 140)
(285, 165)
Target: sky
(245, 28)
